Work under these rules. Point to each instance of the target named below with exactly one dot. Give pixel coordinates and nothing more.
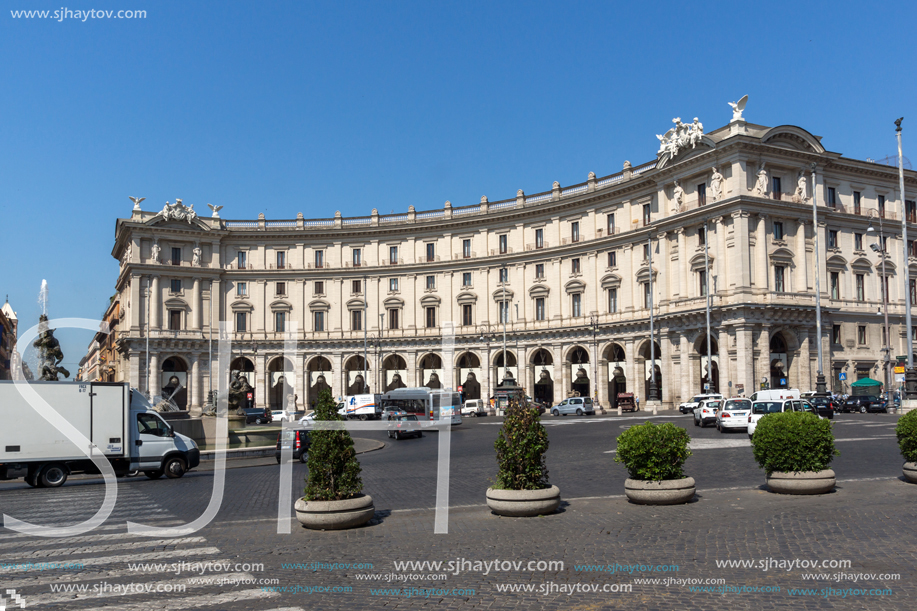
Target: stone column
(567, 381)
(136, 303)
(685, 365)
(134, 358)
(764, 357)
(740, 267)
(197, 313)
(196, 383)
(530, 380)
(261, 379)
(604, 399)
(802, 266)
(722, 281)
(681, 280)
(413, 378)
(153, 374)
(302, 383)
(805, 379)
(155, 305)
(761, 268)
(667, 388)
(634, 382)
(745, 365)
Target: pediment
(611, 281)
(837, 261)
(643, 274)
(430, 300)
(241, 306)
(782, 254)
(466, 297)
(862, 263)
(393, 303)
(281, 306)
(319, 305)
(794, 138)
(539, 290)
(499, 295)
(356, 304)
(575, 286)
(176, 304)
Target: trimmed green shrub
(334, 471)
(792, 442)
(907, 436)
(521, 447)
(653, 452)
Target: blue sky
(312, 107)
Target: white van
(688, 406)
(776, 394)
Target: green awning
(865, 382)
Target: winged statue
(738, 107)
(216, 210)
(666, 139)
(136, 201)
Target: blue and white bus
(426, 403)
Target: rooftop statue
(682, 136)
(737, 108)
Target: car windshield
(697, 399)
(767, 407)
(713, 404)
(409, 417)
(737, 404)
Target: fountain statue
(50, 354)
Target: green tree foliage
(793, 442)
(907, 436)
(334, 471)
(521, 447)
(652, 452)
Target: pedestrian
(637, 401)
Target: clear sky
(312, 107)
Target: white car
(307, 418)
(759, 409)
(734, 415)
(574, 405)
(474, 407)
(689, 406)
(705, 413)
(279, 416)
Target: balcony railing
(465, 255)
(496, 251)
(537, 246)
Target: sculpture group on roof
(178, 212)
(682, 136)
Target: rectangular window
(883, 285)
(836, 335)
(393, 319)
(701, 236)
(702, 283)
(241, 289)
(393, 285)
(431, 317)
(646, 252)
(466, 249)
(355, 286)
(504, 245)
(861, 287)
(431, 282)
(778, 230)
(320, 287)
(539, 308)
(319, 259)
(835, 285)
(175, 320)
(175, 285)
(778, 279)
(832, 238)
(318, 319)
(240, 259)
(911, 208)
(240, 322)
(647, 295)
(574, 231)
(881, 204)
(504, 275)
(466, 279)
(856, 202)
(280, 322)
(861, 335)
(613, 259)
(281, 259)
(647, 215)
(885, 244)
(176, 256)
(357, 257)
(504, 311)
(702, 194)
(832, 197)
(913, 293)
(466, 315)
(611, 224)
(911, 248)
(539, 270)
(392, 255)
(431, 252)
(356, 320)
(858, 241)
(281, 288)
(539, 238)
(776, 187)
(577, 304)
(612, 301)
(574, 265)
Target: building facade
(573, 274)
(9, 357)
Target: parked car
(688, 407)
(705, 413)
(759, 409)
(626, 402)
(406, 426)
(297, 439)
(278, 415)
(733, 415)
(863, 404)
(474, 407)
(392, 413)
(825, 406)
(574, 405)
(258, 415)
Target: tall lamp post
(820, 388)
(883, 282)
(594, 323)
(654, 392)
(365, 325)
(709, 385)
(504, 314)
(910, 374)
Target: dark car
(258, 415)
(297, 439)
(407, 426)
(863, 404)
(825, 406)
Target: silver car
(574, 405)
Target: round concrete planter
(805, 482)
(910, 472)
(335, 515)
(665, 492)
(519, 503)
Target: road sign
(899, 369)
(842, 376)
(783, 381)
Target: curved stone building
(572, 271)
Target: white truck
(118, 421)
(364, 407)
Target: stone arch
(643, 359)
(545, 375)
(319, 378)
(616, 360)
(780, 349)
(394, 371)
(792, 137)
(281, 375)
(713, 375)
(469, 374)
(174, 380)
(356, 375)
(577, 360)
(431, 370)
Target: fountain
(50, 354)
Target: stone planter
(665, 492)
(805, 482)
(910, 472)
(518, 503)
(335, 515)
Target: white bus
(426, 403)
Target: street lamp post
(820, 388)
(910, 375)
(880, 249)
(654, 392)
(709, 385)
(504, 314)
(594, 322)
(365, 325)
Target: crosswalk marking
(80, 539)
(69, 551)
(195, 602)
(88, 575)
(183, 553)
(106, 527)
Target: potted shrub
(333, 497)
(795, 449)
(522, 487)
(654, 455)
(907, 443)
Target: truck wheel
(52, 476)
(153, 474)
(174, 467)
(363, 417)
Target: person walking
(637, 401)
